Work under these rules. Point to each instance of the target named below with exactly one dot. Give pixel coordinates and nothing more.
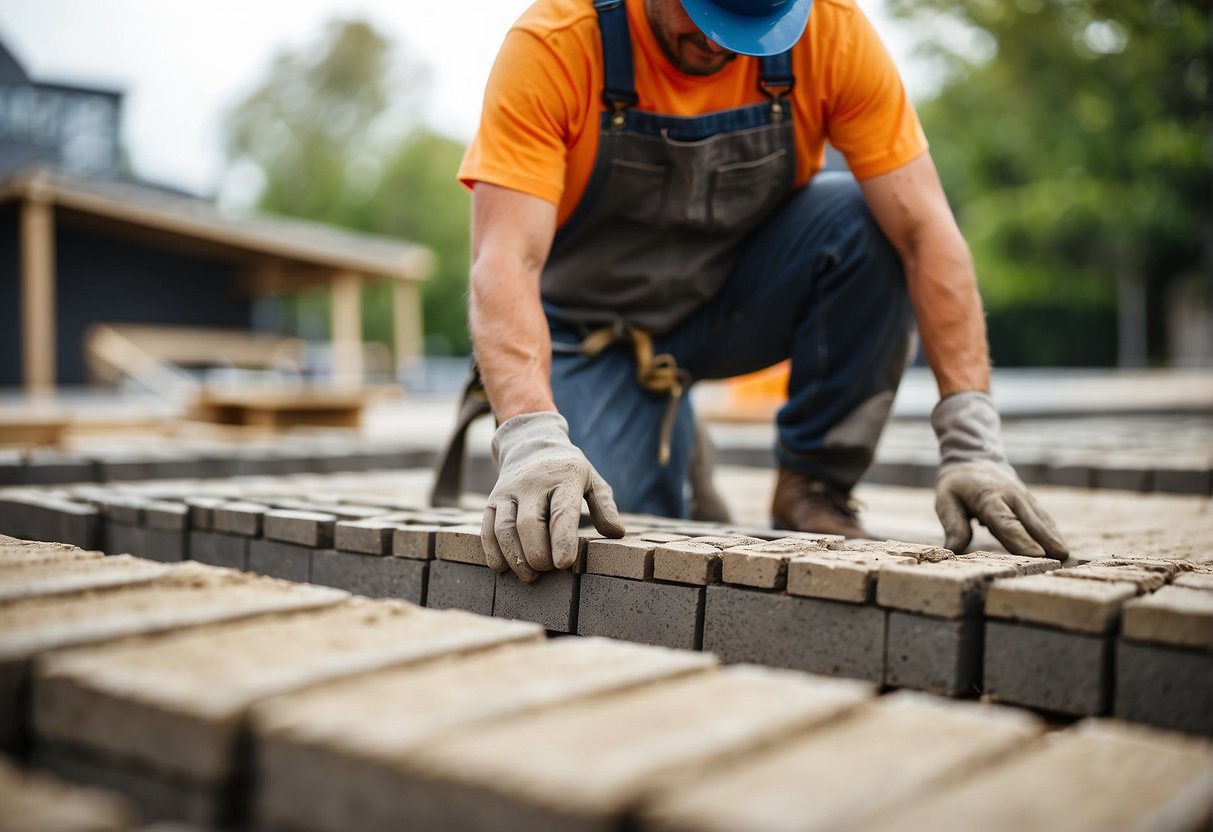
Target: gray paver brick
(375, 576)
(641, 611)
(418, 541)
(461, 586)
(280, 560)
(828, 637)
(303, 528)
(1044, 668)
(239, 518)
(369, 537)
(1167, 687)
(217, 549)
(550, 601)
(938, 655)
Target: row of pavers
(160, 458)
(1130, 637)
(232, 700)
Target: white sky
(182, 66)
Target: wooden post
(347, 328)
(38, 294)
(406, 320)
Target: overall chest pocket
(637, 190)
(742, 193)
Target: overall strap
(619, 87)
(776, 78)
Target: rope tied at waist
(654, 373)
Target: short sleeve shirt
(539, 125)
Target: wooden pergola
(273, 255)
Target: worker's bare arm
(911, 208)
(511, 236)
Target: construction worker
(647, 212)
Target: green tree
(1073, 139)
(333, 132)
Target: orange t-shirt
(539, 126)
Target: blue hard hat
(751, 27)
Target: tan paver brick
(315, 747)
(1023, 564)
(841, 575)
(919, 551)
(1096, 776)
(1176, 615)
(587, 764)
(886, 753)
(460, 543)
(1067, 603)
(60, 576)
(764, 565)
(21, 552)
(947, 588)
(1195, 580)
(1146, 580)
(694, 561)
(174, 703)
(37, 802)
(626, 557)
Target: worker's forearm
(510, 335)
(951, 322)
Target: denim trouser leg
(818, 283)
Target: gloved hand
(530, 522)
(976, 481)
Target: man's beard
(698, 40)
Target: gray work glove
(976, 481)
(530, 522)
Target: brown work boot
(806, 505)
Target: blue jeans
(818, 283)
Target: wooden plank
(38, 295)
(347, 327)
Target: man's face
(687, 48)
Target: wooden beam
(347, 328)
(406, 321)
(38, 295)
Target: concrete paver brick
(36, 801)
(1175, 615)
(461, 586)
(885, 754)
(839, 576)
(324, 750)
(640, 740)
(937, 655)
(303, 528)
(1023, 564)
(58, 577)
(1144, 780)
(368, 537)
(123, 508)
(550, 601)
(764, 565)
(418, 541)
(696, 560)
(641, 611)
(626, 557)
(173, 705)
(1066, 603)
(375, 576)
(22, 552)
(921, 552)
(1146, 580)
(189, 595)
(460, 544)
(947, 589)
(218, 549)
(1040, 667)
(1167, 687)
(239, 518)
(123, 538)
(827, 637)
(1195, 580)
(661, 537)
(168, 516)
(280, 560)
(202, 511)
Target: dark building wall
(106, 278)
(10, 296)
